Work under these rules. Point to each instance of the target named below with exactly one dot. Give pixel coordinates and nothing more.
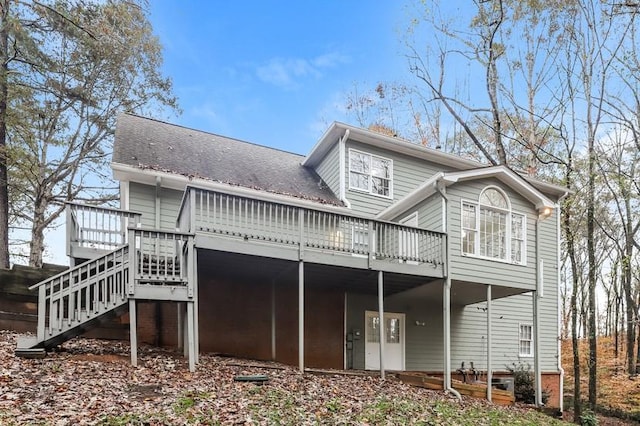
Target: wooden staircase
(75, 300)
(128, 263)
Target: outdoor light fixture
(546, 212)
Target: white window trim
(510, 212)
(520, 354)
(370, 190)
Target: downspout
(538, 294)
(343, 169)
(446, 304)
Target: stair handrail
(71, 269)
(42, 285)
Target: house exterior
(226, 246)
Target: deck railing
(100, 228)
(285, 224)
(154, 260)
(160, 258)
(82, 293)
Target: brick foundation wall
(551, 383)
(157, 323)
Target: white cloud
(288, 72)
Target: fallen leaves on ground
(92, 382)
(617, 390)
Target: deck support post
(133, 332)
(489, 342)
(185, 330)
(180, 309)
(273, 320)
(446, 322)
(42, 312)
(301, 315)
(193, 279)
(381, 323)
(191, 347)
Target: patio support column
(381, 323)
(273, 320)
(133, 332)
(489, 343)
(446, 321)
(301, 315)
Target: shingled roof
(151, 144)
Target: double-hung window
(525, 340)
(370, 173)
(491, 230)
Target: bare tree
(99, 59)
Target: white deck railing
(160, 257)
(284, 224)
(99, 228)
(82, 293)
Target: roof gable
(541, 202)
(395, 144)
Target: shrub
(524, 387)
(588, 418)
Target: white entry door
(394, 341)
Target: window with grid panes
(370, 173)
(490, 229)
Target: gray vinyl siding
(408, 174)
(429, 214)
(469, 332)
(170, 200)
(468, 268)
(142, 199)
(329, 169)
(424, 344)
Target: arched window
(490, 229)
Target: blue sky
(274, 72)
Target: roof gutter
(180, 182)
(343, 169)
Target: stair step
(35, 353)
(26, 342)
(25, 348)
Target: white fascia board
(324, 144)
(123, 172)
(425, 190)
(389, 143)
(508, 177)
(501, 173)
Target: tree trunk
(571, 254)
(591, 254)
(36, 246)
(4, 182)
